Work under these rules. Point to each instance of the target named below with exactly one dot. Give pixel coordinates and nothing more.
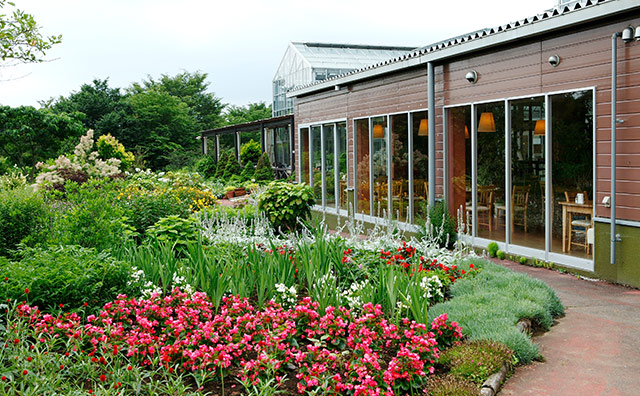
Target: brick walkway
(593, 350)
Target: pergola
(268, 143)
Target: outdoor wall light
(638, 33)
(472, 76)
(554, 60)
(627, 34)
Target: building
(512, 126)
(305, 63)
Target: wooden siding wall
(514, 72)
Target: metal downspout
(432, 133)
(614, 98)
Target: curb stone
(492, 385)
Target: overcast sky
(238, 43)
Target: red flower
(24, 372)
(3, 378)
(29, 359)
(26, 291)
(103, 377)
(129, 368)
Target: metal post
(432, 133)
(614, 98)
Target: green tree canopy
(29, 135)
(96, 101)
(190, 88)
(252, 112)
(20, 37)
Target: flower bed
(336, 352)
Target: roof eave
(563, 21)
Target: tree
(264, 171)
(159, 126)
(97, 101)
(241, 114)
(190, 88)
(250, 151)
(20, 37)
(29, 135)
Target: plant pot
(240, 192)
(231, 194)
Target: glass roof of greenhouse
(346, 56)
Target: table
(568, 209)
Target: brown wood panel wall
(516, 71)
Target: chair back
(420, 188)
(570, 196)
(396, 188)
(520, 196)
(485, 195)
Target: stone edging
(492, 385)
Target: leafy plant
(501, 254)
(232, 167)
(286, 204)
(70, 276)
(522, 260)
(175, 230)
(109, 147)
(439, 225)
(23, 215)
(492, 249)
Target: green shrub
(5, 166)
(68, 275)
(500, 254)
(264, 171)
(248, 171)
(285, 204)
(232, 167)
(23, 216)
(476, 360)
(207, 166)
(175, 230)
(109, 147)
(492, 249)
(449, 385)
(441, 227)
(250, 151)
(522, 260)
(88, 215)
(222, 163)
(488, 306)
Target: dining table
(569, 208)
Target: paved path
(593, 350)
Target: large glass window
(400, 167)
(282, 148)
(491, 212)
(227, 142)
(304, 156)
(459, 121)
(380, 180)
(342, 164)
(572, 171)
(316, 163)
(527, 173)
(363, 200)
(329, 170)
(420, 131)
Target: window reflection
(362, 166)
(380, 181)
(399, 166)
(420, 131)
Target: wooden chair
(397, 187)
(485, 206)
(519, 204)
(579, 226)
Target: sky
(238, 43)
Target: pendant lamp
(539, 130)
(466, 132)
(487, 123)
(378, 132)
(423, 130)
